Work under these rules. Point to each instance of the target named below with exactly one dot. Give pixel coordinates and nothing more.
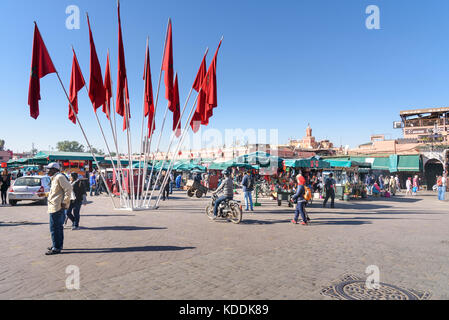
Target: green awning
(57, 155)
(230, 164)
(381, 164)
(339, 163)
(394, 163)
(261, 159)
(410, 163)
(313, 162)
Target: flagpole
(179, 145)
(126, 119)
(154, 117)
(119, 177)
(142, 142)
(173, 134)
(101, 129)
(145, 151)
(87, 140)
(114, 134)
(184, 133)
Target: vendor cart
(195, 188)
(284, 195)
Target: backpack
(307, 194)
(250, 183)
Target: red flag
(76, 84)
(97, 92)
(108, 89)
(149, 102)
(121, 74)
(199, 112)
(209, 86)
(127, 114)
(167, 66)
(41, 65)
(175, 108)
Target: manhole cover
(351, 287)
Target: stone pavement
(176, 252)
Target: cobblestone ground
(176, 252)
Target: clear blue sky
(282, 65)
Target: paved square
(178, 253)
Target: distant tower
(308, 142)
(309, 131)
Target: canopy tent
(189, 165)
(411, 163)
(381, 164)
(313, 163)
(18, 162)
(50, 156)
(346, 164)
(394, 159)
(123, 162)
(231, 164)
(261, 159)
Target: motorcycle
(230, 210)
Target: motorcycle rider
(228, 186)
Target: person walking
(100, 185)
(393, 187)
(76, 200)
(398, 184)
(5, 182)
(248, 188)
(172, 179)
(93, 184)
(178, 181)
(166, 190)
(441, 189)
(387, 184)
(444, 181)
(381, 182)
(408, 186)
(300, 202)
(58, 200)
(329, 186)
(415, 185)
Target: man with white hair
(58, 201)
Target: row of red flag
(100, 91)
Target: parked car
(31, 188)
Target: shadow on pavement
(108, 215)
(20, 223)
(123, 228)
(263, 222)
(349, 222)
(129, 249)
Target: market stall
(347, 178)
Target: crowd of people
(68, 192)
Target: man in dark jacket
(76, 200)
(329, 186)
(248, 187)
(300, 202)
